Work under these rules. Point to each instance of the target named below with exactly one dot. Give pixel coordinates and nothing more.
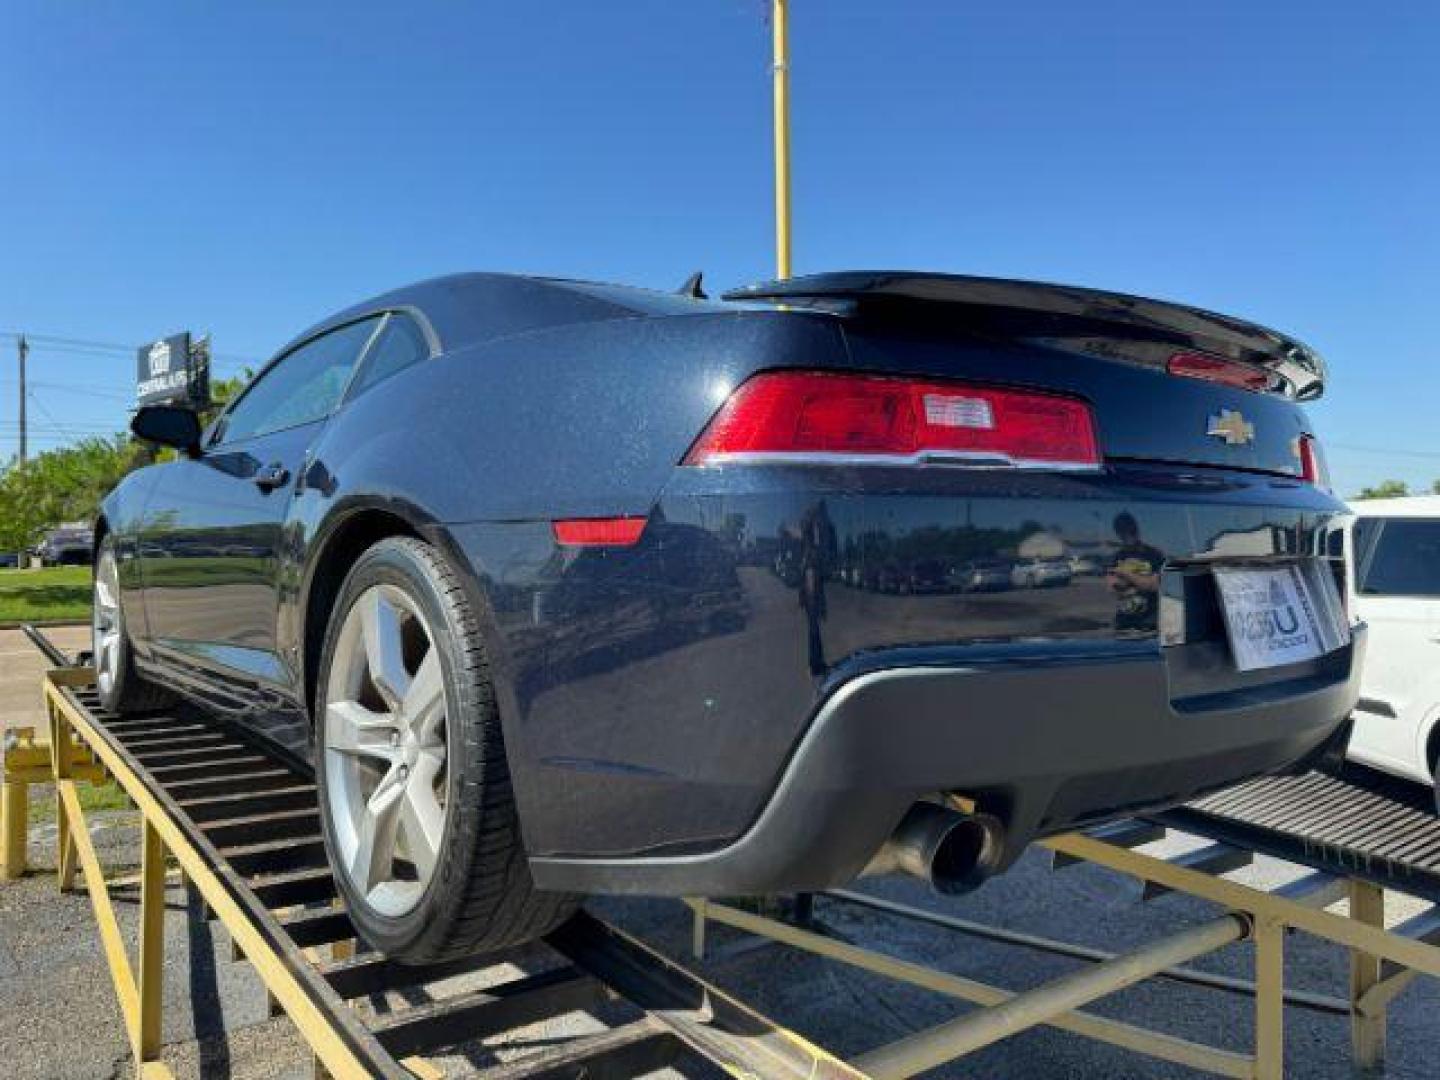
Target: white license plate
(1280, 615)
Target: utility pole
(780, 21)
(23, 347)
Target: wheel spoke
(422, 817)
(386, 727)
(384, 649)
(109, 651)
(424, 706)
(375, 832)
(350, 728)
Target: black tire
(122, 690)
(481, 896)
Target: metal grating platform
(244, 825)
(1360, 823)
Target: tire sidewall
(390, 562)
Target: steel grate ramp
(1359, 823)
(244, 824)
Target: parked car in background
(1040, 573)
(925, 576)
(67, 545)
(490, 553)
(9, 560)
(889, 577)
(1086, 565)
(981, 575)
(1392, 563)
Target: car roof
(1409, 506)
(464, 309)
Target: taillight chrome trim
(943, 459)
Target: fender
(119, 517)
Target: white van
(1392, 567)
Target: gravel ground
(58, 1016)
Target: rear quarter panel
(481, 448)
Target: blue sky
(246, 168)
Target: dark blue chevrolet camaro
(565, 588)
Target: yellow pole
(14, 825)
(151, 985)
(1367, 1028)
(780, 22)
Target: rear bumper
(1042, 742)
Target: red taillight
(1194, 365)
(1312, 462)
(599, 532)
(821, 416)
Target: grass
(55, 594)
(94, 798)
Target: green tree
(65, 484)
(223, 391)
(1435, 487)
(1385, 489)
(68, 483)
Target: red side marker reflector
(599, 532)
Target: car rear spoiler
(1070, 317)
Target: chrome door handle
(271, 477)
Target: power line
(77, 427)
(57, 339)
(48, 429)
(40, 405)
(75, 388)
(85, 391)
(60, 342)
(10, 427)
(1382, 450)
(57, 440)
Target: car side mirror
(168, 425)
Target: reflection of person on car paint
(817, 548)
(1134, 577)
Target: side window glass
(301, 387)
(1404, 560)
(399, 345)
(1362, 545)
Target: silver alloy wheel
(105, 621)
(385, 750)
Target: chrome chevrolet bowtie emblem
(1230, 425)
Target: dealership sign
(170, 371)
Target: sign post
(780, 22)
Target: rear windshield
(1397, 556)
